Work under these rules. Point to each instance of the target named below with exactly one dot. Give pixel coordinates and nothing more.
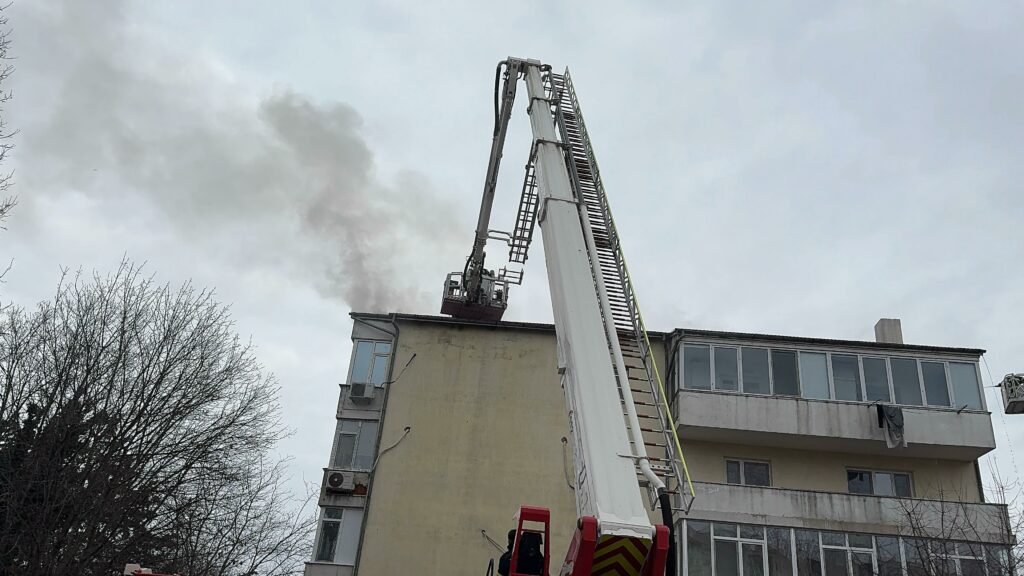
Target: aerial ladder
(624, 440)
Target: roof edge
(675, 333)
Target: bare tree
(952, 535)
(135, 427)
(7, 202)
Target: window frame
(375, 356)
(358, 435)
(738, 346)
(340, 521)
(743, 473)
(874, 483)
(904, 546)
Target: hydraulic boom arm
(603, 350)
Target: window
(697, 367)
(876, 380)
(848, 554)
(370, 362)
(738, 553)
(830, 375)
(748, 473)
(814, 375)
(339, 535)
(357, 444)
(878, 483)
(755, 371)
(936, 391)
(966, 391)
(784, 373)
(698, 547)
(727, 376)
(905, 381)
(746, 550)
(846, 376)
(780, 554)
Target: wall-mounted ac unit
(361, 392)
(343, 482)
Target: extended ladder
(649, 396)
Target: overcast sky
(790, 168)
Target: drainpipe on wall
(380, 432)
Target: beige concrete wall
(487, 416)
(826, 471)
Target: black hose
(497, 83)
(666, 517)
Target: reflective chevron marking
(618, 556)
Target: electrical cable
(491, 540)
(1002, 419)
(386, 450)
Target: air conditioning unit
(343, 482)
(361, 392)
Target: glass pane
(756, 474)
(726, 373)
(814, 375)
(947, 567)
(889, 563)
(380, 370)
(972, 567)
(858, 482)
(808, 553)
(935, 390)
(755, 371)
(727, 530)
(968, 549)
(349, 541)
(876, 379)
(965, 385)
(833, 538)
(333, 513)
(726, 562)
(366, 450)
(751, 532)
(862, 564)
(883, 484)
(997, 561)
(698, 547)
(835, 562)
(697, 367)
(784, 375)
(780, 554)
(346, 449)
(753, 560)
(361, 363)
(905, 381)
(328, 540)
(846, 377)
(860, 541)
(902, 485)
(349, 425)
(732, 472)
(382, 348)
(916, 553)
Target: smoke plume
(278, 182)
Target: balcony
(850, 512)
(829, 425)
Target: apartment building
(445, 427)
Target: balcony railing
(974, 522)
(830, 425)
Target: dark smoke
(282, 182)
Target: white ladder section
(658, 437)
